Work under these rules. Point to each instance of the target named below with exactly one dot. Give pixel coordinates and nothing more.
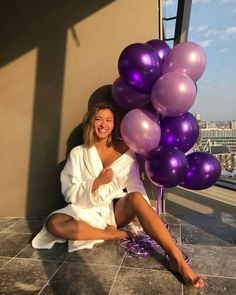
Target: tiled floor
(210, 241)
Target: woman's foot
(189, 277)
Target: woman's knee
(135, 198)
(55, 223)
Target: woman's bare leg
(134, 204)
(64, 226)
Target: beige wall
(52, 59)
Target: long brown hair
(88, 121)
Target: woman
(102, 184)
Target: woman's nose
(102, 124)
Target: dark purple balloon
(161, 48)
(166, 165)
(140, 131)
(127, 98)
(141, 159)
(149, 107)
(139, 67)
(181, 131)
(204, 170)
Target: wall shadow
(211, 223)
(43, 25)
(25, 25)
(199, 198)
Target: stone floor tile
(132, 281)
(75, 279)
(213, 286)
(212, 260)
(27, 225)
(217, 235)
(57, 253)
(104, 253)
(22, 276)
(4, 260)
(154, 261)
(11, 243)
(6, 222)
(166, 217)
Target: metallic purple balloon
(139, 67)
(126, 97)
(140, 131)
(204, 170)
(173, 94)
(161, 48)
(149, 107)
(181, 131)
(188, 57)
(166, 165)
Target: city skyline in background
(213, 27)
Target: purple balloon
(173, 94)
(188, 57)
(140, 131)
(166, 165)
(161, 48)
(204, 170)
(149, 107)
(141, 159)
(181, 131)
(126, 97)
(139, 67)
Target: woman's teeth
(102, 130)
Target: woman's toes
(199, 283)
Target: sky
(213, 27)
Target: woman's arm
(75, 189)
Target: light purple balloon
(140, 131)
(126, 97)
(161, 48)
(173, 94)
(139, 67)
(187, 57)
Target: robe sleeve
(75, 190)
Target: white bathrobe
(82, 167)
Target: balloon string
(159, 199)
(142, 246)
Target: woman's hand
(115, 234)
(105, 176)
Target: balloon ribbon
(142, 246)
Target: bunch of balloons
(159, 82)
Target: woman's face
(103, 123)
